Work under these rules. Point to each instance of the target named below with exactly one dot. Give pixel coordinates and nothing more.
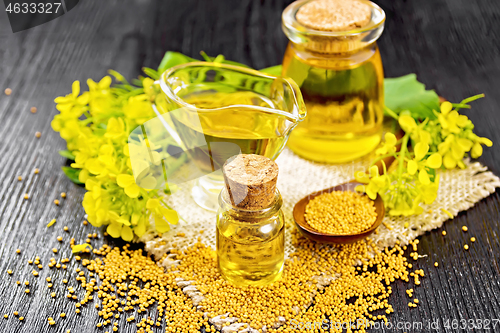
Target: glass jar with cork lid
(333, 57)
(250, 223)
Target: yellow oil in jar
(250, 256)
(249, 131)
(343, 94)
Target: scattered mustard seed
(6, 316)
(33, 109)
(27, 283)
(53, 294)
(21, 318)
(54, 250)
(65, 228)
(40, 266)
(19, 178)
(38, 135)
(63, 195)
(26, 196)
(443, 233)
(56, 202)
(9, 272)
(59, 238)
(436, 264)
(65, 281)
(36, 171)
(8, 91)
(473, 239)
(62, 315)
(49, 285)
(18, 282)
(85, 222)
(466, 247)
(27, 291)
(464, 228)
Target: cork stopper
(334, 15)
(250, 181)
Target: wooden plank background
(452, 45)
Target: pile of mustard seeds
(340, 213)
(344, 283)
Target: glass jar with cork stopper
(250, 223)
(333, 57)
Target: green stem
(472, 98)
(381, 158)
(391, 113)
(402, 154)
(461, 106)
(87, 121)
(166, 205)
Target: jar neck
(332, 42)
(364, 52)
(249, 215)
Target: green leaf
(273, 70)
(406, 93)
(72, 174)
(171, 59)
(68, 154)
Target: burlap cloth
(459, 189)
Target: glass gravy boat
(213, 111)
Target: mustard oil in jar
(340, 75)
(250, 223)
(250, 254)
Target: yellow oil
(344, 100)
(250, 256)
(249, 131)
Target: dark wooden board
(452, 45)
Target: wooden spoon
(300, 220)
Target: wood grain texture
(452, 45)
